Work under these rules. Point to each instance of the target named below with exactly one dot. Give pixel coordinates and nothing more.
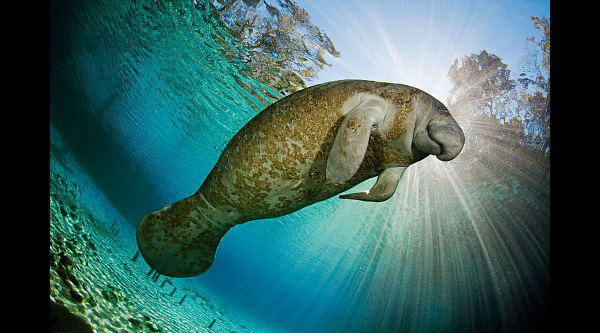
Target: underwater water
(144, 95)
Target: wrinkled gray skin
(305, 148)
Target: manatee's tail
(178, 240)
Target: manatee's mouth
(426, 143)
(449, 137)
(442, 138)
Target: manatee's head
(437, 133)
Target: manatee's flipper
(384, 188)
(352, 139)
(180, 240)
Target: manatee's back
(278, 160)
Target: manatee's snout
(442, 137)
(449, 136)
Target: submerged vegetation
(96, 287)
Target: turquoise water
(144, 97)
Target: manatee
(305, 148)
